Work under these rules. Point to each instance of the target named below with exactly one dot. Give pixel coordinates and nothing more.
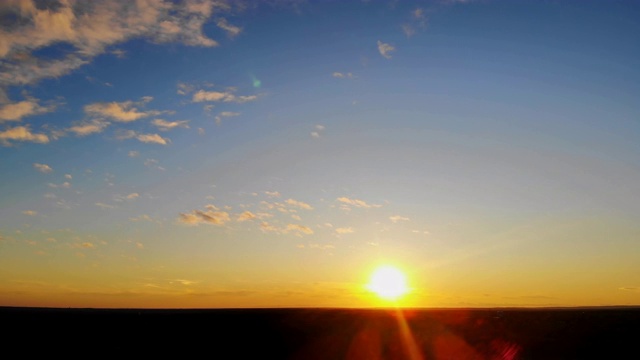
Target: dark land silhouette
(305, 333)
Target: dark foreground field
(584, 333)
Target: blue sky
(274, 153)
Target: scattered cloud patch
(299, 229)
(299, 204)
(231, 30)
(21, 133)
(89, 127)
(104, 206)
(91, 29)
(222, 96)
(357, 203)
(43, 168)
(317, 133)
(30, 212)
(345, 230)
(225, 114)
(168, 125)
(247, 215)
(341, 75)
(211, 216)
(125, 111)
(152, 138)
(397, 218)
(18, 110)
(385, 49)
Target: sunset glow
(248, 153)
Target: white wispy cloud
(104, 206)
(125, 111)
(222, 96)
(91, 28)
(298, 229)
(21, 133)
(341, 75)
(318, 131)
(345, 230)
(212, 216)
(168, 125)
(397, 218)
(357, 203)
(299, 204)
(272, 193)
(225, 114)
(17, 110)
(89, 127)
(43, 168)
(152, 138)
(231, 30)
(385, 49)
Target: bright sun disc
(388, 282)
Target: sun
(388, 282)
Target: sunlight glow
(388, 283)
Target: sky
(230, 154)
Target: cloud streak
(89, 28)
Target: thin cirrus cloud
(90, 28)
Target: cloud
(385, 49)
(225, 114)
(397, 218)
(104, 206)
(247, 215)
(152, 138)
(133, 153)
(265, 226)
(272, 193)
(357, 203)
(221, 96)
(90, 28)
(21, 133)
(30, 212)
(43, 168)
(211, 216)
(125, 111)
(16, 111)
(132, 196)
(340, 75)
(316, 134)
(343, 230)
(299, 204)
(168, 125)
(232, 31)
(299, 229)
(88, 128)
